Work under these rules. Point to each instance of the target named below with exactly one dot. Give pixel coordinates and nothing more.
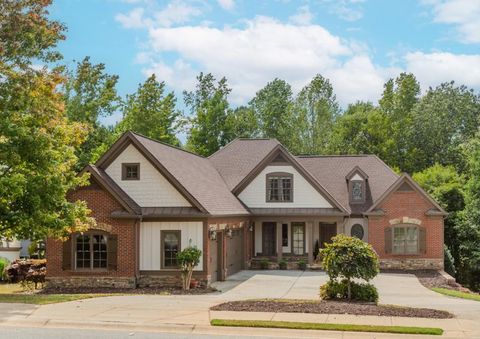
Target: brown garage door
(213, 260)
(234, 253)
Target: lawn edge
(327, 326)
(456, 294)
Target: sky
(357, 44)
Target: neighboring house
(10, 249)
(252, 199)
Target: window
(405, 240)
(130, 171)
(284, 234)
(298, 238)
(357, 231)
(91, 251)
(357, 191)
(279, 187)
(170, 248)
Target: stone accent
(405, 220)
(172, 280)
(412, 264)
(91, 282)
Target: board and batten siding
(150, 241)
(304, 195)
(152, 190)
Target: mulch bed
(330, 307)
(149, 290)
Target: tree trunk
(349, 290)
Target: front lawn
(14, 293)
(457, 294)
(327, 327)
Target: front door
(269, 238)
(327, 232)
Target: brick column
(279, 241)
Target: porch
(292, 238)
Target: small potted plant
(264, 264)
(302, 265)
(282, 264)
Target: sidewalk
(196, 321)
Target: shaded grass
(327, 327)
(456, 294)
(43, 299)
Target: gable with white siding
(304, 194)
(152, 189)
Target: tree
(469, 228)
(398, 99)
(349, 258)
(209, 109)
(90, 93)
(362, 129)
(188, 259)
(316, 105)
(242, 123)
(444, 118)
(152, 113)
(37, 141)
(445, 185)
(273, 107)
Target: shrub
(302, 265)
(449, 262)
(3, 265)
(333, 289)
(316, 250)
(264, 264)
(27, 272)
(348, 258)
(282, 264)
(188, 259)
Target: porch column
(309, 239)
(279, 241)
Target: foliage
(282, 264)
(349, 258)
(264, 264)
(37, 141)
(29, 273)
(316, 250)
(3, 265)
(302, 265)
(151, 112)
(209, 109)
(36, 250)
(457, 294)
(333, 289)
(449, 261)
(188, 258)
(89, 94)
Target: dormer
(357, 185)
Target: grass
(13, 293)
(327, 327)
(457, 294)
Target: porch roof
(296, 211)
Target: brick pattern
(102, 204)
(412, 205)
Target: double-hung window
(279, 187)
(91, 251)
(405, 239)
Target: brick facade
(102, 204)
(408, 207)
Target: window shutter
(67, 254)
(112, 245)
(422, 236)
(388, 240)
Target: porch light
(229, 232)
(213, 235)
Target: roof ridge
(166, 144)
(222, 148)
(334, 155)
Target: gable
(304, 194)
(152, 189)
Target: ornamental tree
(188, 259)
(349, 258)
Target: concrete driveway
(193, 310)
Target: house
(250, 200)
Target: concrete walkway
(190, 314)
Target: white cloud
(227, 4)
(348, 10)
(464, 14)
(432, 69)
(133, 19)
(302, 17)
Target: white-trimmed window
(279, 187)
(405, 239)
